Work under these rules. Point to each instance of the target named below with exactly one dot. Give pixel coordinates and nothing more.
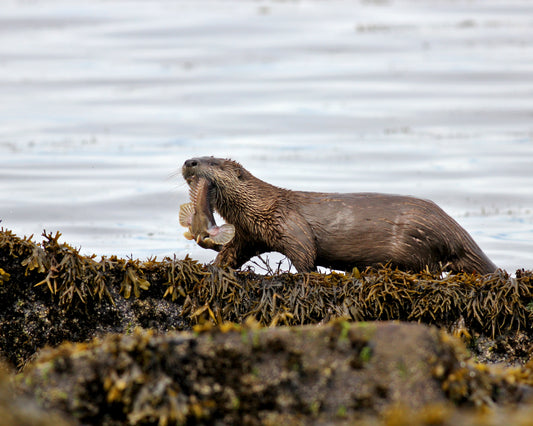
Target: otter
(335, 230)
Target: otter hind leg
(297, 242)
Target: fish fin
(200, 187)
(224, 234)
(188, 235)
(186, 214)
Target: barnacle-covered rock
(235, 374)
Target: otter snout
(193, 162)
(198, 167)
(189, 169)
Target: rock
(24, 411)
(245, 374)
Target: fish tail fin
(222, 234)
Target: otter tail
(470, 256)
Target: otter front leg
(297, 242)
(228, 256)
(233, 255)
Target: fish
(198, 217)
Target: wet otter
(338, 231)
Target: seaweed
(133, 280)
(72, 277)
(51, 293)
(239, 364)
(120, 294)
(491, 304)
(4, 276)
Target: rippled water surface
(102, 101)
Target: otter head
(218, 171)
(227, 179)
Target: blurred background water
(102, 101)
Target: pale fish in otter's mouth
(198, 217)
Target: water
(101, 102)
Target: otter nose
(191, 163)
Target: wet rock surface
(116, 352)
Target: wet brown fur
(339, 231)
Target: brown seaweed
(50, 294)
(64, 284)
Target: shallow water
(103, 101)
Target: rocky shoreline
(120, 341)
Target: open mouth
(188, 172)
(191, 179)
(189, 176)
